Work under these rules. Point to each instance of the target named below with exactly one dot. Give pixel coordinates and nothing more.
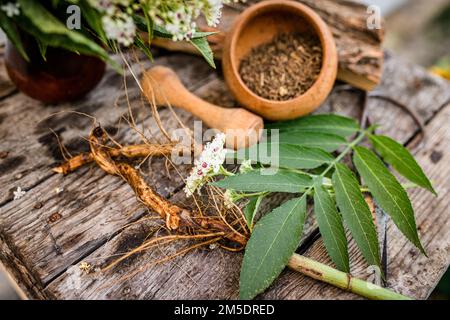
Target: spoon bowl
(259, 25)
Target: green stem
(349, 147)
(224, 172)
(302, 172)
(256, 194)
(324, 273)
(406, 186)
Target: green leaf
(273, 241)
(401, 160)
(161, 32)
(331, 228)
(321, 123)
(251, 209)
(42, 49)
(286, 155)
(43, 25)
(324, 141)
(201, 34)
(258, 181)
(94, 20)
(202, 45)
(388, 193)
(12, 33)
(148, 21)
(356, 213)
(158, 31)
(139, 42)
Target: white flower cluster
(178, 16)
(207, 165)
(118, 25)
(11, 9)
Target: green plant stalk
(342, 280)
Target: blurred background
(416, 30)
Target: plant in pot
(57, 49)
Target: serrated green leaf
(286, 156)
(12, 33)
(202, 45)
(273, 241)
(321, 123)
(324, 141)
(251, 209)
(388, 193)
(401, 160)
(356, 213)
(257, 181)
(331, 227)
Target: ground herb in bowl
(284, 68)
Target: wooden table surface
(45, 235)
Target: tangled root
(175, 217)
(132, 151)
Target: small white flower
(104, 6)
(11, 9)
(213, 12)
(246, 166)
(120, 28)
(19, 193)
(207, 165)
(85, 267)
(228, 199)
(58, 190)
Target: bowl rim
(302, 10)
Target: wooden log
(359, 48)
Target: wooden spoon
(242, 128)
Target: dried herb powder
(284, 68)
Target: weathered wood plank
(32, 149)
(359, 48)
(58, 229)
(208, 273)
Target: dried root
(175, 217)
(133, 151)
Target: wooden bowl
(260, 24)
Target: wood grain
(206, 272)
(57, 229)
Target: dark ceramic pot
(64, 76)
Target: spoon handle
(162, 86)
